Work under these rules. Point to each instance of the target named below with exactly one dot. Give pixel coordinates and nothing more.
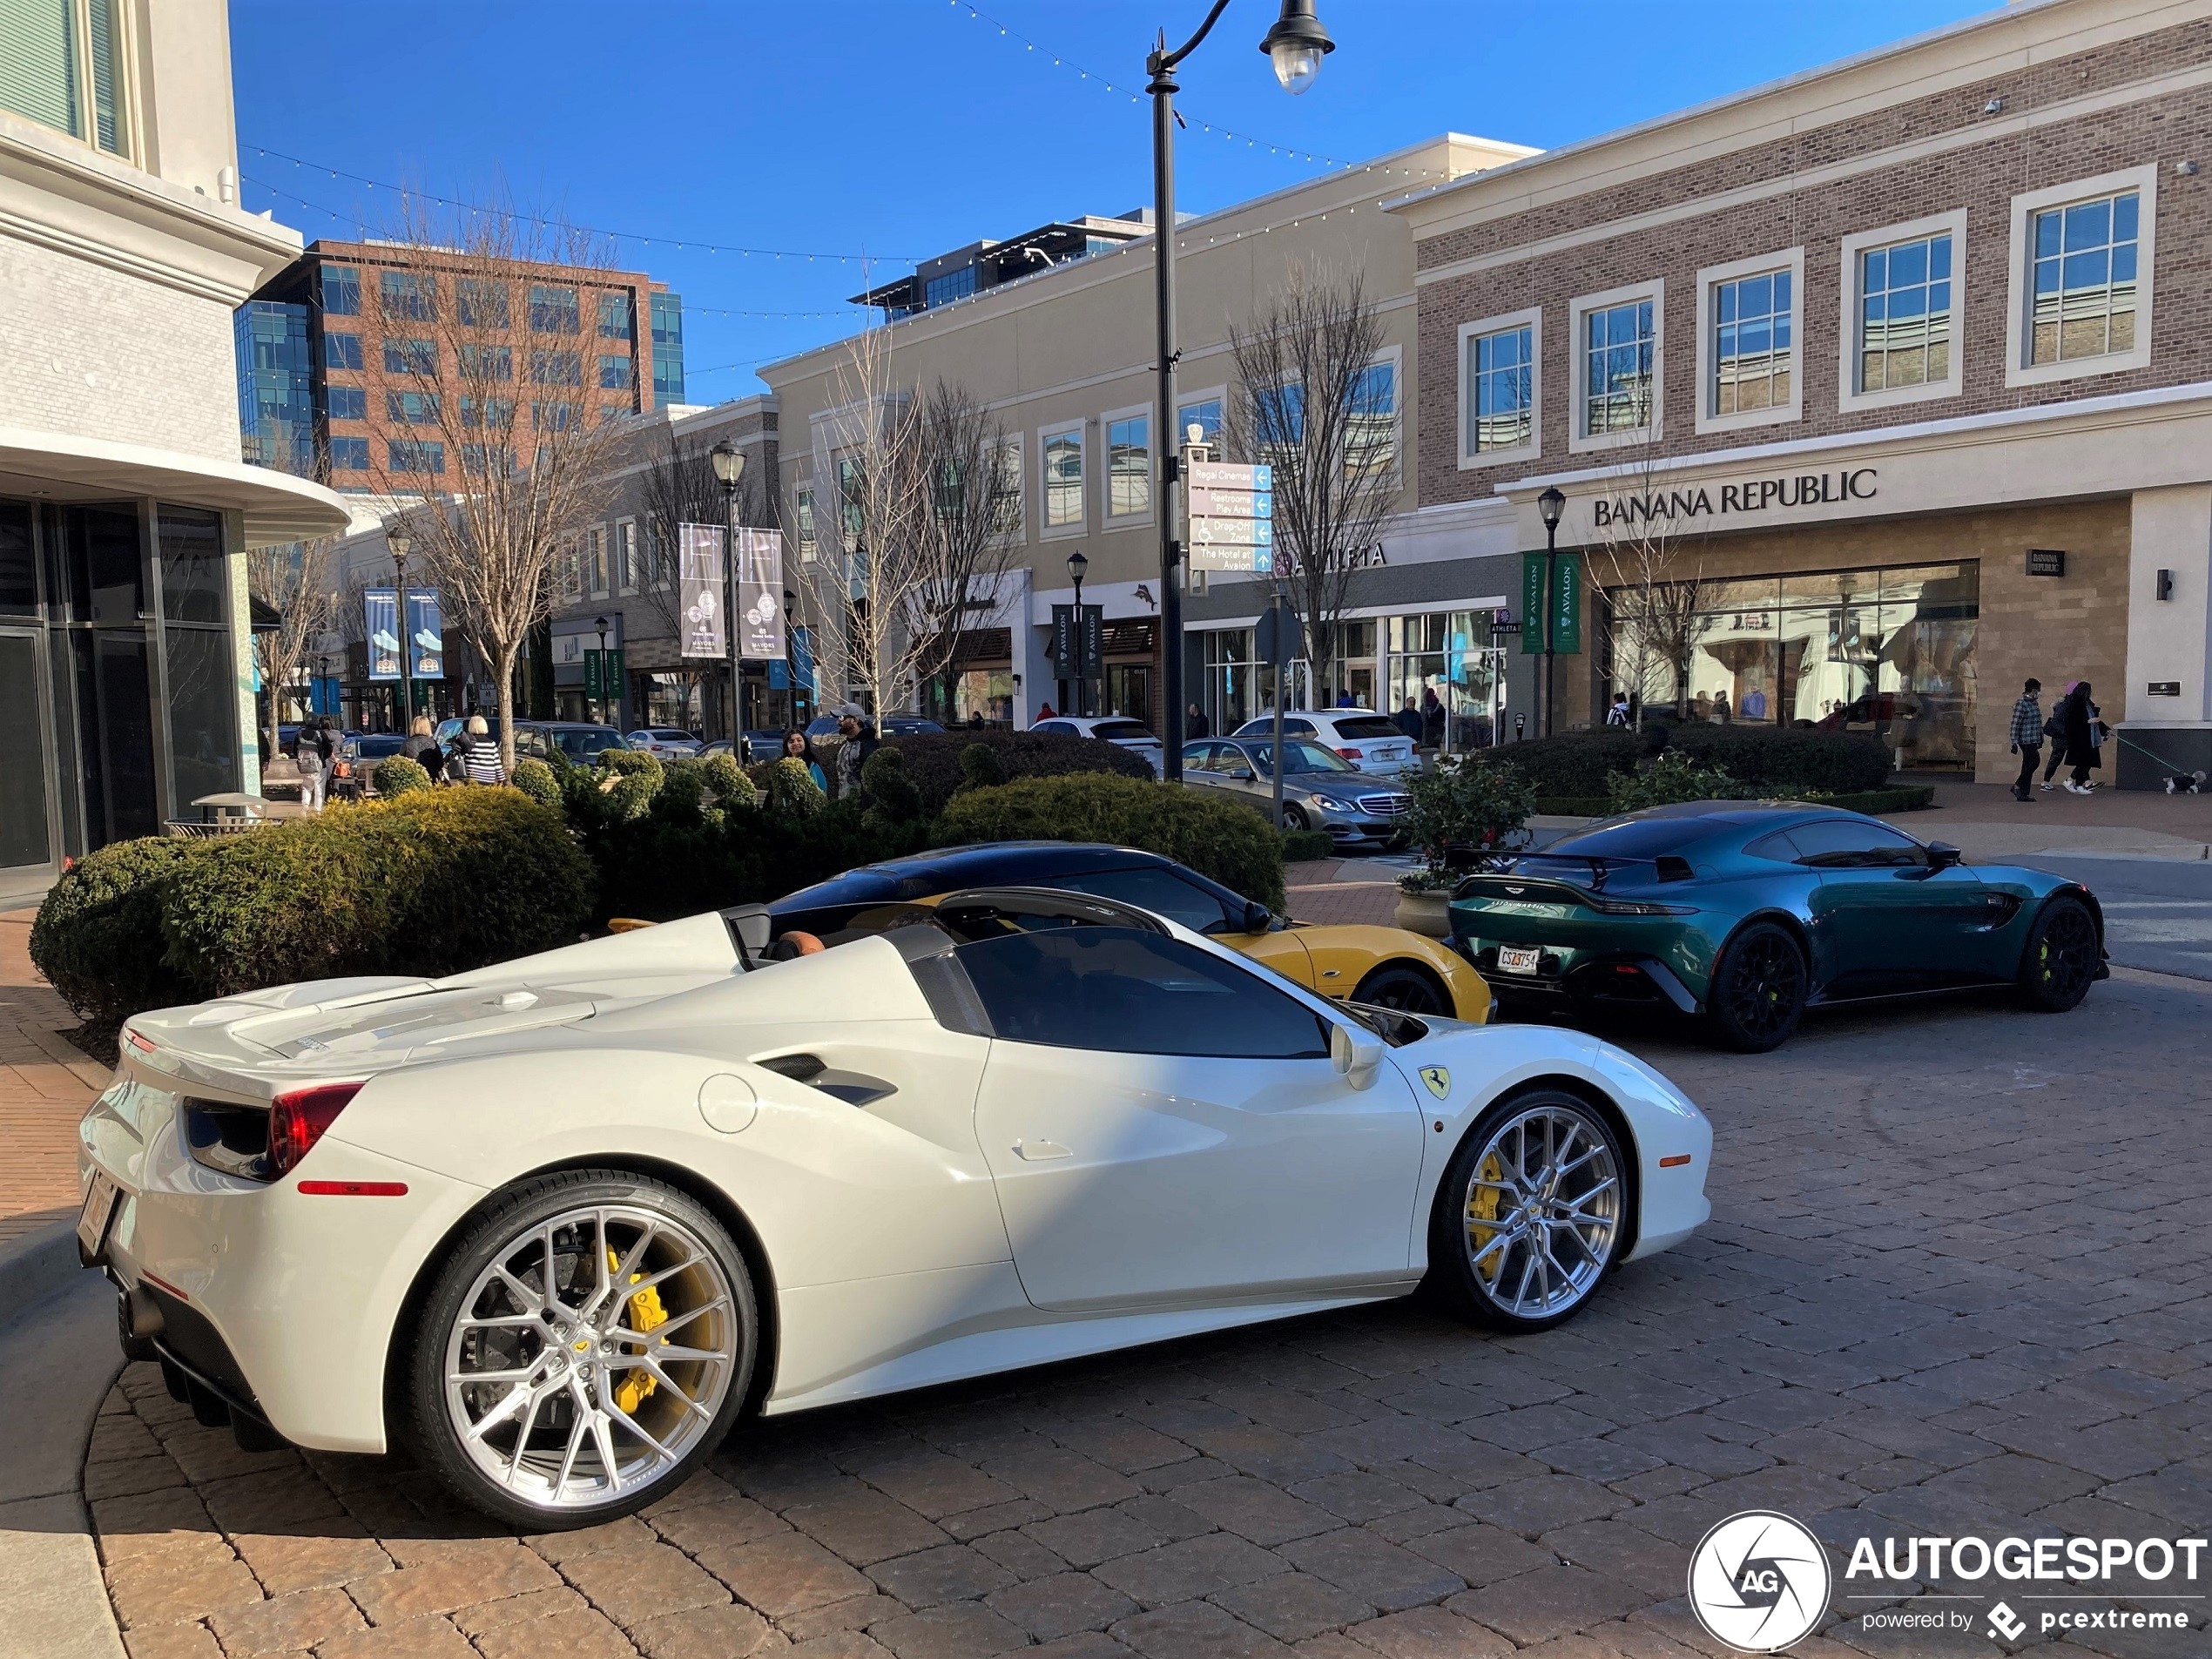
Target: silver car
(1320, 790)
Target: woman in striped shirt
(480, 755)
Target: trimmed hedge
(397, 775)
(1303, 847)
(936, 762)
(1220, 839)
(1902, 798)
(1773, 759)
(431, 883)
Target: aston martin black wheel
(1405, 988)
(2061, 957)
(1759, 990)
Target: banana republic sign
(1754, 496)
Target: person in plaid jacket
(2027, 738)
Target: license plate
(1515, 959)
(99, 1209)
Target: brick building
(1905, 362)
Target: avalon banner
(699, 555)
(380, 629)
(760, 596)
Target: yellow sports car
(1383, 967)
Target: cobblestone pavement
(1956, 1283)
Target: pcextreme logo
(1759, 1582)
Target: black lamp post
(1297, 44)
(729, 469)
(600, 623)
(791, 665)
(1550, 505)
(399, 542)
(1081, 636)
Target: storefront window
(671, 699)
(1229, 694)
(1886, 651)
(1445, 662)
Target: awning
(56, 466)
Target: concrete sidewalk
(1985, 822)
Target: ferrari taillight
(298, 1120)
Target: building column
(241, 620)
(2170, 641)
(1030, 650)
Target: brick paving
(45, 1085)
(1337, 890)
(1956, 1281)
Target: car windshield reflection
(1299, 756)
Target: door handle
(1041, 1151)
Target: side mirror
(1242, 774)
(1942, 855)
(1258, 918)
(1357, 1056)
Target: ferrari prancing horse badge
(1437, 1079)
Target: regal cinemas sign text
(1754, 496)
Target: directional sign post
(1232, 516)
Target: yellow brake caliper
(1482, 1214)
(646, 1312)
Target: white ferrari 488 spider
(555, 1224)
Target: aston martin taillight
(298, 1119)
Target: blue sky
(899, 129)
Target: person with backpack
(2027, 738)
(2055, 733)
(312, 750)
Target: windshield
(1301, 756)
(577, 745)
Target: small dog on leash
(2185, 783)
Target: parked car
(1320, 790)
(1382, 967)
(1130, 734)
(666, 741)
(905, 725)
(1370, 741)
(573, 740)
(540, 1212)
(1745, 914)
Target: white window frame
(1849, 393)
(1013, 446)
(1184, 399)
(1709, 419)
(1148, 413)
(1395, 356)
(2020, 286)
(625, 556)
(1533, 321)
(1047, 531)
(1577, 309)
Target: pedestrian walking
(1044, 711)
(1432, 718)
(1408, 719)
(2027, 738)
(1721, 712)
(312, 750)
(2082, 737)
(799, 746)
(860, 742)
(1195, 724)
(480, 754)
(2054, 732)
(422, 748)
(1618, 714)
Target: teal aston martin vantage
(1745, 914)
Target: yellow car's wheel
(1404, 988)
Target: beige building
(124, 507)
(1063, 361)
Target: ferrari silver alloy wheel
(592, 1355)
(1543, 1209)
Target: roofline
(2013, 13)
(1186, 227)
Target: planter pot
(1425, 913)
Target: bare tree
(680, 488)
(486, 358)
(1308, 405)
(293, 580)
(969, 531)
(1648, 560)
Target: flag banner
(760, 596)
(426, 631)
(698, 589)
(381, 629)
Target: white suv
(662, 740)
(1370, 741)
(1115, 729)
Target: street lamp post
(1297, 44)
(399, 542)
(1076, 565)
(790, 663)
(729, 469)
(1550, 504)
(600, 623)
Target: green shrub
(1302, 847)
(1463, 804)
(1218, 838)
(98, 936)
(937, 760)
(681, 795)
(787, 790)
(430, 883)
(726, 780)
(628, 762)
(1673, 776)
(883, 777)
(981, 767)
(540, 782)
(397, 775)
(1902, 798)
(1573, 763)
(1785, 759)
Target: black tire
(493, 1236)
(1759, 990)
(1478, 1267)
(1294, 817)
(1405, 988)
(2062, 959)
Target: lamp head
(1551, 504)
(399, 542)
(600, 624)
(729, 463)
(1076, 565)
(1297, 43)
